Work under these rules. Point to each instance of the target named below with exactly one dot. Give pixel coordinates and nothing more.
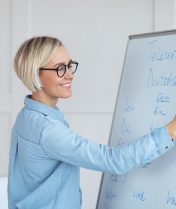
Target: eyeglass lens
(72, 66)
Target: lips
(66, 85)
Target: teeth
(66, 85)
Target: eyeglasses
(61, 69)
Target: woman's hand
(171, 128)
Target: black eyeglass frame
(65, 68)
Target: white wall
(3, 194)
(95, 32)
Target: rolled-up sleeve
(61, 143)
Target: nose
(68, 73)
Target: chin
(65, 96)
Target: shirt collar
(55, 113)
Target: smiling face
(53, 86)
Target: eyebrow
(61, 63)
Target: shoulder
(31, 124)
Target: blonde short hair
(33, 54)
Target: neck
(42, 97)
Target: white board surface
(146, 100)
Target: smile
(67, 85)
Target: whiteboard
(146, 100)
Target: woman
(45, 153)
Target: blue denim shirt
(46, 155)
